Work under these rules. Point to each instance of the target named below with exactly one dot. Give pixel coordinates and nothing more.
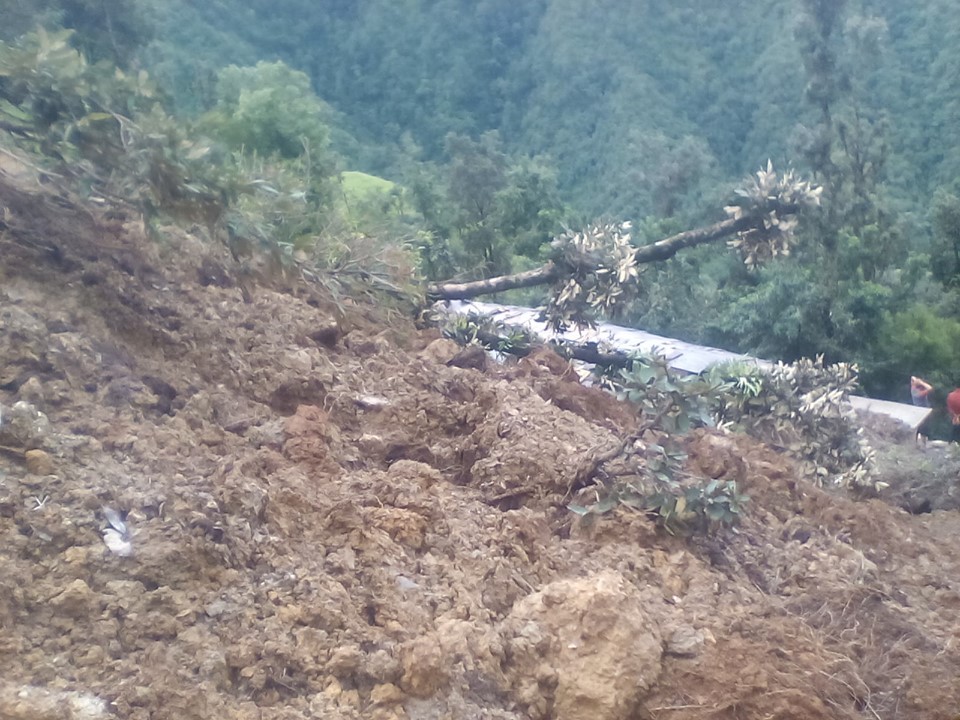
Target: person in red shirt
(953, 406)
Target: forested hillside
(498, 122)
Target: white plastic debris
(372, 402)
(117, 537)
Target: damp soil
(327, 511)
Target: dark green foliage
(790, 314)
(946, 247)
(475, 176)
(485, 212)
(919, 339)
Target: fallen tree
(595, 270)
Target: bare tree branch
(543, 275)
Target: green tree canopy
(269, 109)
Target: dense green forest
(471, 132)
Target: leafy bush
(671, 403)
(268, 109)
(675, 402)
(109, 131)
(53, 99)
(802, 408)
(106, 128)
(677, 501)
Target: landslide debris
(329, 518)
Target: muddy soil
(302, 507)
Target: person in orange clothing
(920, 391)
(953, 407)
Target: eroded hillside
(333, 514)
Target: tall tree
(596, 270)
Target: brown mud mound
(290, 509)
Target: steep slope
(331, 513)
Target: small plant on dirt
(675, 402)
(491, 334)
(678, 502)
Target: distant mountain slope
(640, 105)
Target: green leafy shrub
(109, 132)
(676, 402)
(52, 99)
(802, 408)
(492, 335)
(671, 403)
(107, 129)
(268, 109)
(676, 500)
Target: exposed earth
(315, 509)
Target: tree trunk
(660, 250)
(587, 352)
(668, 247)
(461, 291)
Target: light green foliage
(800, 407)
(598, 274)
(361, 187)
(269, 109)
(767, 198)
(598, 269)
(376, 206)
